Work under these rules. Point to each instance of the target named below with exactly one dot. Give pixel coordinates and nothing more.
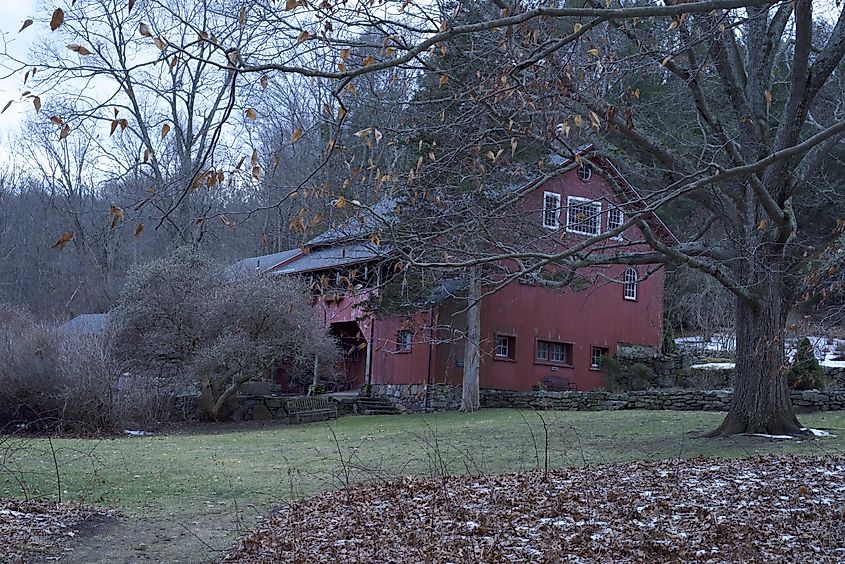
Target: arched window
(584, 172)
(631, 279)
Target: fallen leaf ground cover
(776, 508)
(32, 528)
(187, 494)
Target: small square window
(403, 341)
(505, 347)
(596, 354)
(583, 216)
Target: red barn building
(530, 334)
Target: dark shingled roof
(363, 224)
(262, 263)
(332, 257)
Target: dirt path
(135, 539)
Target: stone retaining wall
(837, 374)
(412, 397)
(253, 407)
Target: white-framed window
(631, 280)
(404, 339)
(505, 347)
(596, 354)
(553, 352)
(551, 210)
(615, 218)
(583, 216)
(585, 171)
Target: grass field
(186, 494)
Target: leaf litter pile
(31, 527)
(779, 508)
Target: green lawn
(176, 487)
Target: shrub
(214, 329)
(50, 380)
(624, 378)
(805, 372)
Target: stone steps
(377, 406)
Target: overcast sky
(12, 15)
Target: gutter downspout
(430, 355)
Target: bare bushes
(50, 379)
(197, 323)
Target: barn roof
(364, 223)
(85, 323)
(263, 263)
(332, 257)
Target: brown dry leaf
(131, 5)
(144, 30)
(251, 114)
(242, 16)
(256, 172)
(291, 5)
(6, 107)
(26, 24)
(296, 135)
(80, 49)
(113, 127)
(36, 101)
(160, 43)
(117, 215)
(692, 510)
(264, 81)
(368, 61)
(57, 19)
(302, 37)
(65, 132)
(138, 230)
(57, 120)
(63, 240)
(165, 129)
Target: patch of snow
(715, 366)
(818, 432)
(769, 436)
(828, 350)
(133, 433)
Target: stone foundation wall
(412, 397)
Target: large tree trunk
(761, 402)
(470, 398)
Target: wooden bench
(302, 410)
(559, 384)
